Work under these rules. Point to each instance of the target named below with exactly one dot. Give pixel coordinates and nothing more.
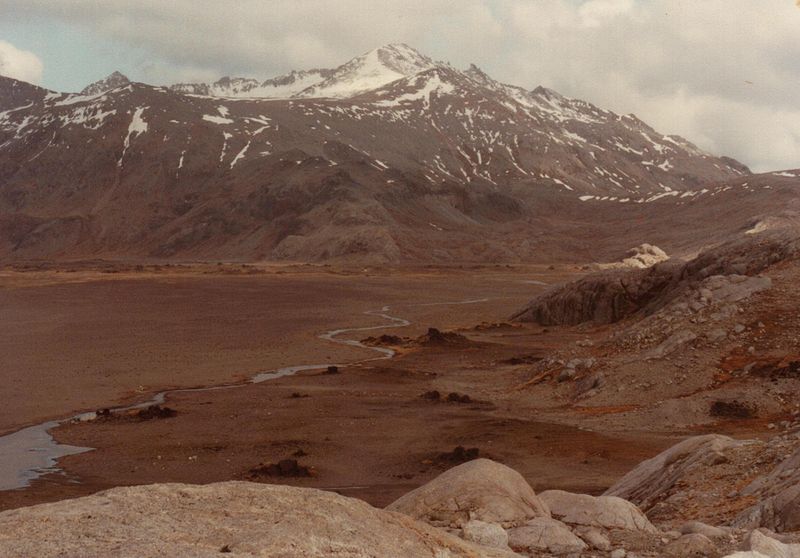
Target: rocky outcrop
(480, 489)
(243, 519)
(604, 297)
(780, 512)
(722, 275)
(607, 512)
(653, 480)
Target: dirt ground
(83, 339)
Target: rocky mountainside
(373, 69)
(390, 157)
(113, 81)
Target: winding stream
(32, 452)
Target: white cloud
(19, 64)
(595, 13)
(723, 73)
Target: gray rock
(485, 534)
(716, 335)
(544, 534)
(701, 528)
(250, 519)
(653, 479)
(693, 545)
(594, 537)
(479, 489)
(780, 512)
(671, 344)
(757, 541)
(608, 512)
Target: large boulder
(653, 480)
(761, 543)
(480, 489)
(643, 256)
(245, 519)
(608, 512)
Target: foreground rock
(607, 512)
(652, 480)
(758, 545)
(778, 493)
(544, 534)
(479, 489)
(244, 519)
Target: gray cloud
(722, 73)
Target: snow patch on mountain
(136, 127)
(217, 119)
(426, 87)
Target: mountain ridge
(494, 171)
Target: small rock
(716, 335)
(693, 545)
(485, 534)
(594, 538)
(544, 534)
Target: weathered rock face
(693, 545)
(652, 480)
(605, 297)
(780, 512)
(759, 544)
(544, 534)
(480, 489)
(608, 512)
(724, 274)
(245, 519)
(485, 534)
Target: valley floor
(91, 338)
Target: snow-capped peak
(475, 73)
(113, 81)
(371, 70)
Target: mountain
(279, 87)
(388, 158)
(368, 71)
(113, 81)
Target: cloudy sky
(723, 73)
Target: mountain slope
(363, 73)
(436, 165)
